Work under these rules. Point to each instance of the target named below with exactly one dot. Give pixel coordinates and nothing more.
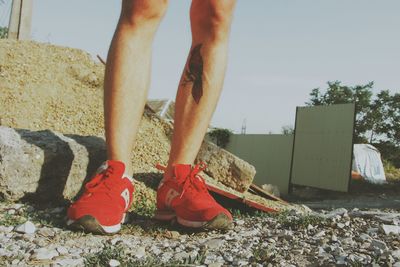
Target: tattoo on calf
(194, 73)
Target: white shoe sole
(221, 221)
(90, 224)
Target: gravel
(285, 239)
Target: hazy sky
(279, 50)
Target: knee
(142, 12)
(212, 17)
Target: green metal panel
(271, 155)
(323, 146)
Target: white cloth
(367, 161)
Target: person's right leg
(108, 196)
(127, 75)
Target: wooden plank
(261, 192)
(238, 198)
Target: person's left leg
(182, 193)
(202, 78)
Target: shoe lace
(195, 181)
(100, 182)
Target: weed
(392, 173)
(299, 221)
(355, 263)
(263, 255)
(7, 219)
(144, 208)
(103, 257)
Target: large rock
(46, 165)
(226, 167)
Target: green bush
(3, 32)
(220, 136)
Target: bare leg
(202, 78)
(128, 73)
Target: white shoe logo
(170, 196)
(125, 195)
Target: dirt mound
(44, 86)
(49, 87)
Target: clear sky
(279, 50)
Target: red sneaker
(186, 198)
(102, 207)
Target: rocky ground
(37, 236)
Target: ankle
(128, 166)
(169, 173)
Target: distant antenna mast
(244, 126)
(165, 108)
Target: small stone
(320, 234)
(241, 263)
(6, 229)
(116, 240)
(390, 229)
(62, 250)
(215, 264)
(45, 254)
(239, 222)
(341, 260)
(26, 228)
(57, 210)
(365, 237)
(335, 213)
(114, 263)
(70, 262)
(228, 258)
(397, 264)
(337, 251)
(372, 230)
(47, 232)
(306, 208)
(181, 255)
(334, 238)
(140, 252)
(11, 212)
(377, 244)
(396, 254)
(17, 206)
(41, 242)
(214, 243)
(297, 251)
(172, 234)
(348, 241)
(340, 225)
(253, 232)
(310, 227)
(322, 253)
